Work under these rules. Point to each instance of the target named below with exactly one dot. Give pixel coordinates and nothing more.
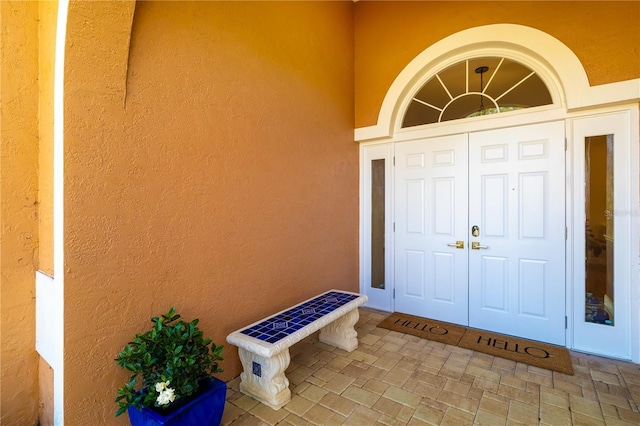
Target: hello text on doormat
(438, 331)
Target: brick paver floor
(398, 379)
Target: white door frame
(620, 343)
(573, 98)
(381, 299)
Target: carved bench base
(263, 378)
(341, 333)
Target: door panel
(431, 207)
(494, 205)
(494, 292)
(516, 197)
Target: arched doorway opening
(435, 166)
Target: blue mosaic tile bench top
(285, 323)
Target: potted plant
(172, 367)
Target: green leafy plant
(171, 360)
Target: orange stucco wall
(209, 165)
(48, 11)
(18, 211)
(46, 397)
(605, 36)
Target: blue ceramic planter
(203, 410)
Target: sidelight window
(599, 232)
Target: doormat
(543, 355)
(438, 331)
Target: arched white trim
(557, 65)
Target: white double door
(502, 191)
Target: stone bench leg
(263, 378)
(340, 333)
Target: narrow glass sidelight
(599, 223)
(377, 223)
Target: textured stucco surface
(45, 400)
(604, 35)
(18, 211)
(46, 60)
(210, 166)
(99, 291)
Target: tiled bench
(264, 345)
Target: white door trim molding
(557, 65)
(379, 298)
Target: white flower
(166, 394)
(170, 395)
(162, 399)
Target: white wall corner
(51, 293)
(49, 324)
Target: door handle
(475, 245)
(457, 244)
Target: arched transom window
(478, 86)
